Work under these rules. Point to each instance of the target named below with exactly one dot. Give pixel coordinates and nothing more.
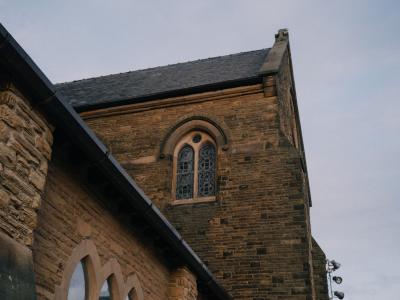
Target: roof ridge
(158, 67)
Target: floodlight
(335, 265)
(339, 295)
(337, 279)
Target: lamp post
(332, 266)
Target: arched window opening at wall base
(77, 289)
(105, 292)
(132, 295)
(194, 167)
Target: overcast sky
(346, 58)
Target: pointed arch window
(194, 169)
(132, 295)
(105, 293)
(77, 289)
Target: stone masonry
(256, 236)
(66, 204)
(25, 149)
(53, 217)
(321, 284)
(183, 285)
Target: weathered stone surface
(43, 146)
(36, 200)
(7, 97)
(8, 156)
(21, 179)
(37, 179)
(21, 150)
(30, 147)
(182, 285)
(4, 198)
(16, 183)
(10, 117)
(4, 131)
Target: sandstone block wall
(291, 128)
(67, 204)
(25, 149)
(255, 237)
(182, 285)
(321, 284)
(47, 215)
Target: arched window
(132, 295)
(194, 168)
(105, 293)
(77, 289)
(85, 278)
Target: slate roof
(138, 85)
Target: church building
(186, 181)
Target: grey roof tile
(155, 81)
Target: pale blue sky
(347, 70)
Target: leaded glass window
(206, 171)
(195, 163)
(185, 173)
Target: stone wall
(255, 237)
(287, 115)
(289, 121)
(183, 285)
(319, 264)
(70, 213)
(25, 149)
(47, 211)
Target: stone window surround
(96, 275)
(200, 123)
(217, 130)
(187, 139)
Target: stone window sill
(194, 200)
